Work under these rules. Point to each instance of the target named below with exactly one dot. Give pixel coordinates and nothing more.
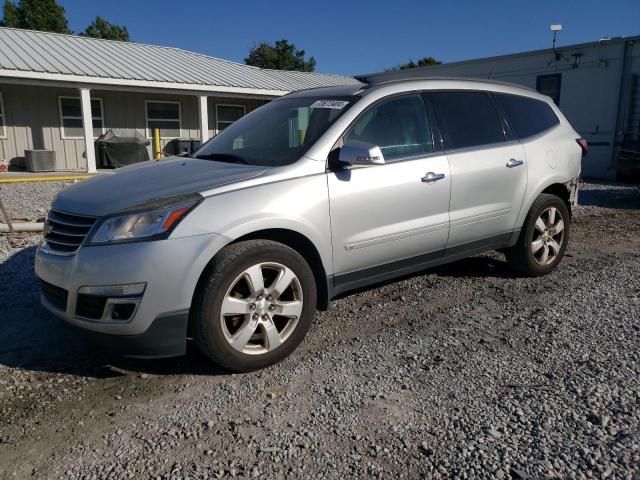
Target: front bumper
(166, 337)
(170, 268)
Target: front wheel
(255, 305)
(543, 239)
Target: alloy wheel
(548, 236)
(261, 308)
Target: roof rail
(386, 78)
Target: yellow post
(156, 144)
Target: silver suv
(314, 194)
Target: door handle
(512, 163)
(432, 177)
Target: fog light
(129, 290)
(123, 311)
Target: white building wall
(590, 89)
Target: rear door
(488, 167)
(383, 217)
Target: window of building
(468, 119)
(550, 85)
(3, 128)
(399, 126)
(164, 115)
(227, 114)
(71, 117)
(526, 116)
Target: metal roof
(52, 56)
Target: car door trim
(461, 222)
(392, 237)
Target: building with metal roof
(59, 92)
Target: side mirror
(356, 152)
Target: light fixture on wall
(555, 28)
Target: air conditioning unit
(40, 160)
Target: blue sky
(351, 37)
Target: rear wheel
(255, 306)
(543, 239)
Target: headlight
(145, 224)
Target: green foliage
(423, 62)
(43, 15)
(11, 15)
(100, 28)
(281, 56)
(48, 16)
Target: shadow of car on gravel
(482, 266)
(33, 339)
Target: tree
(281, 56)
(11, 15)
(423, 62)
(100, 28)
(42, 15)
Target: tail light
(583, 145)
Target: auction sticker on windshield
(336, 104)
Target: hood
(148, 181)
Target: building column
(87, 126)
(204, 118)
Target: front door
(383, 216)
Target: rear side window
(468, 119)
(399, 126)
(526, 116)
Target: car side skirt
(380, 273)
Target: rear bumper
(572, 186)
(166, 337)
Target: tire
(242, 337)
(549, 231)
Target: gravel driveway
(461, 371)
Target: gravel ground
(462, 371)
(30, 201)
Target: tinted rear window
(469, 119)
(526, 116)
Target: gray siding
(249, 104)
(125, 113)
(32, 119)
(33, 122)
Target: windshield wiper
(222, 157)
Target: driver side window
(399, 126)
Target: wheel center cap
(262, 307)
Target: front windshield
(277, 133)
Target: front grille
(90, 306)
(55, 296)
(65, 232)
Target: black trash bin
(181, 146)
